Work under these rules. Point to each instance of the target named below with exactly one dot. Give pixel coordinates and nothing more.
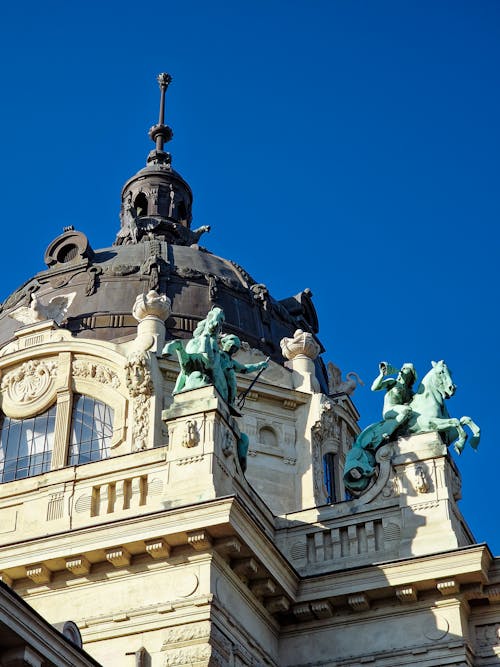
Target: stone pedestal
(430, 486)
(202, 452)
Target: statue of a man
(230, 344)
(399, 392)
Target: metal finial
(164, 80)
(161, 133)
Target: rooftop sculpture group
(406, 412)
(207, 359)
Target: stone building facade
(126, 510)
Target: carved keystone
(157, 548)
(199, 540)
(6, 579)
(39, 573)
(322, 609)
(263, 588)
(448, 586)
(358, 602)
(277, 604)
(245, 568)
(406, 594)
(78, 565)
(118, 557)
(302, 612)
(228, 546)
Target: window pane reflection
(91, 430)
(26, 445)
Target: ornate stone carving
(30, 381)
(326, 431)
(152, 304)
(338, 386)
(55, 309)
(91, 370)
(93, 275)
(193, 655)
(420, 480)
(190, 437)
(303, 343)
(117, 269)
(140, 386)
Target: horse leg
(476, 431)
(451, 423)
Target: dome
(156, 249)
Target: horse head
(442, 381)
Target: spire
(161, 133)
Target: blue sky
(349, 147)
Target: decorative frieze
(90, 370)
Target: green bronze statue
(207, 359)
(404, 413)
(230, 344)
(200, 359)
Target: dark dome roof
(107, 282)
(156, 249)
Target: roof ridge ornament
(161, 133)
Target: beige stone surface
(166, 547)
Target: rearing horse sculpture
(427, 413)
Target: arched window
(141, 204)
(91, 430)
(26, 445)
(329, 465)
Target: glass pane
(91, 430)
(26, 445)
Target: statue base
(202, 453)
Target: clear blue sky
(350, 147)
